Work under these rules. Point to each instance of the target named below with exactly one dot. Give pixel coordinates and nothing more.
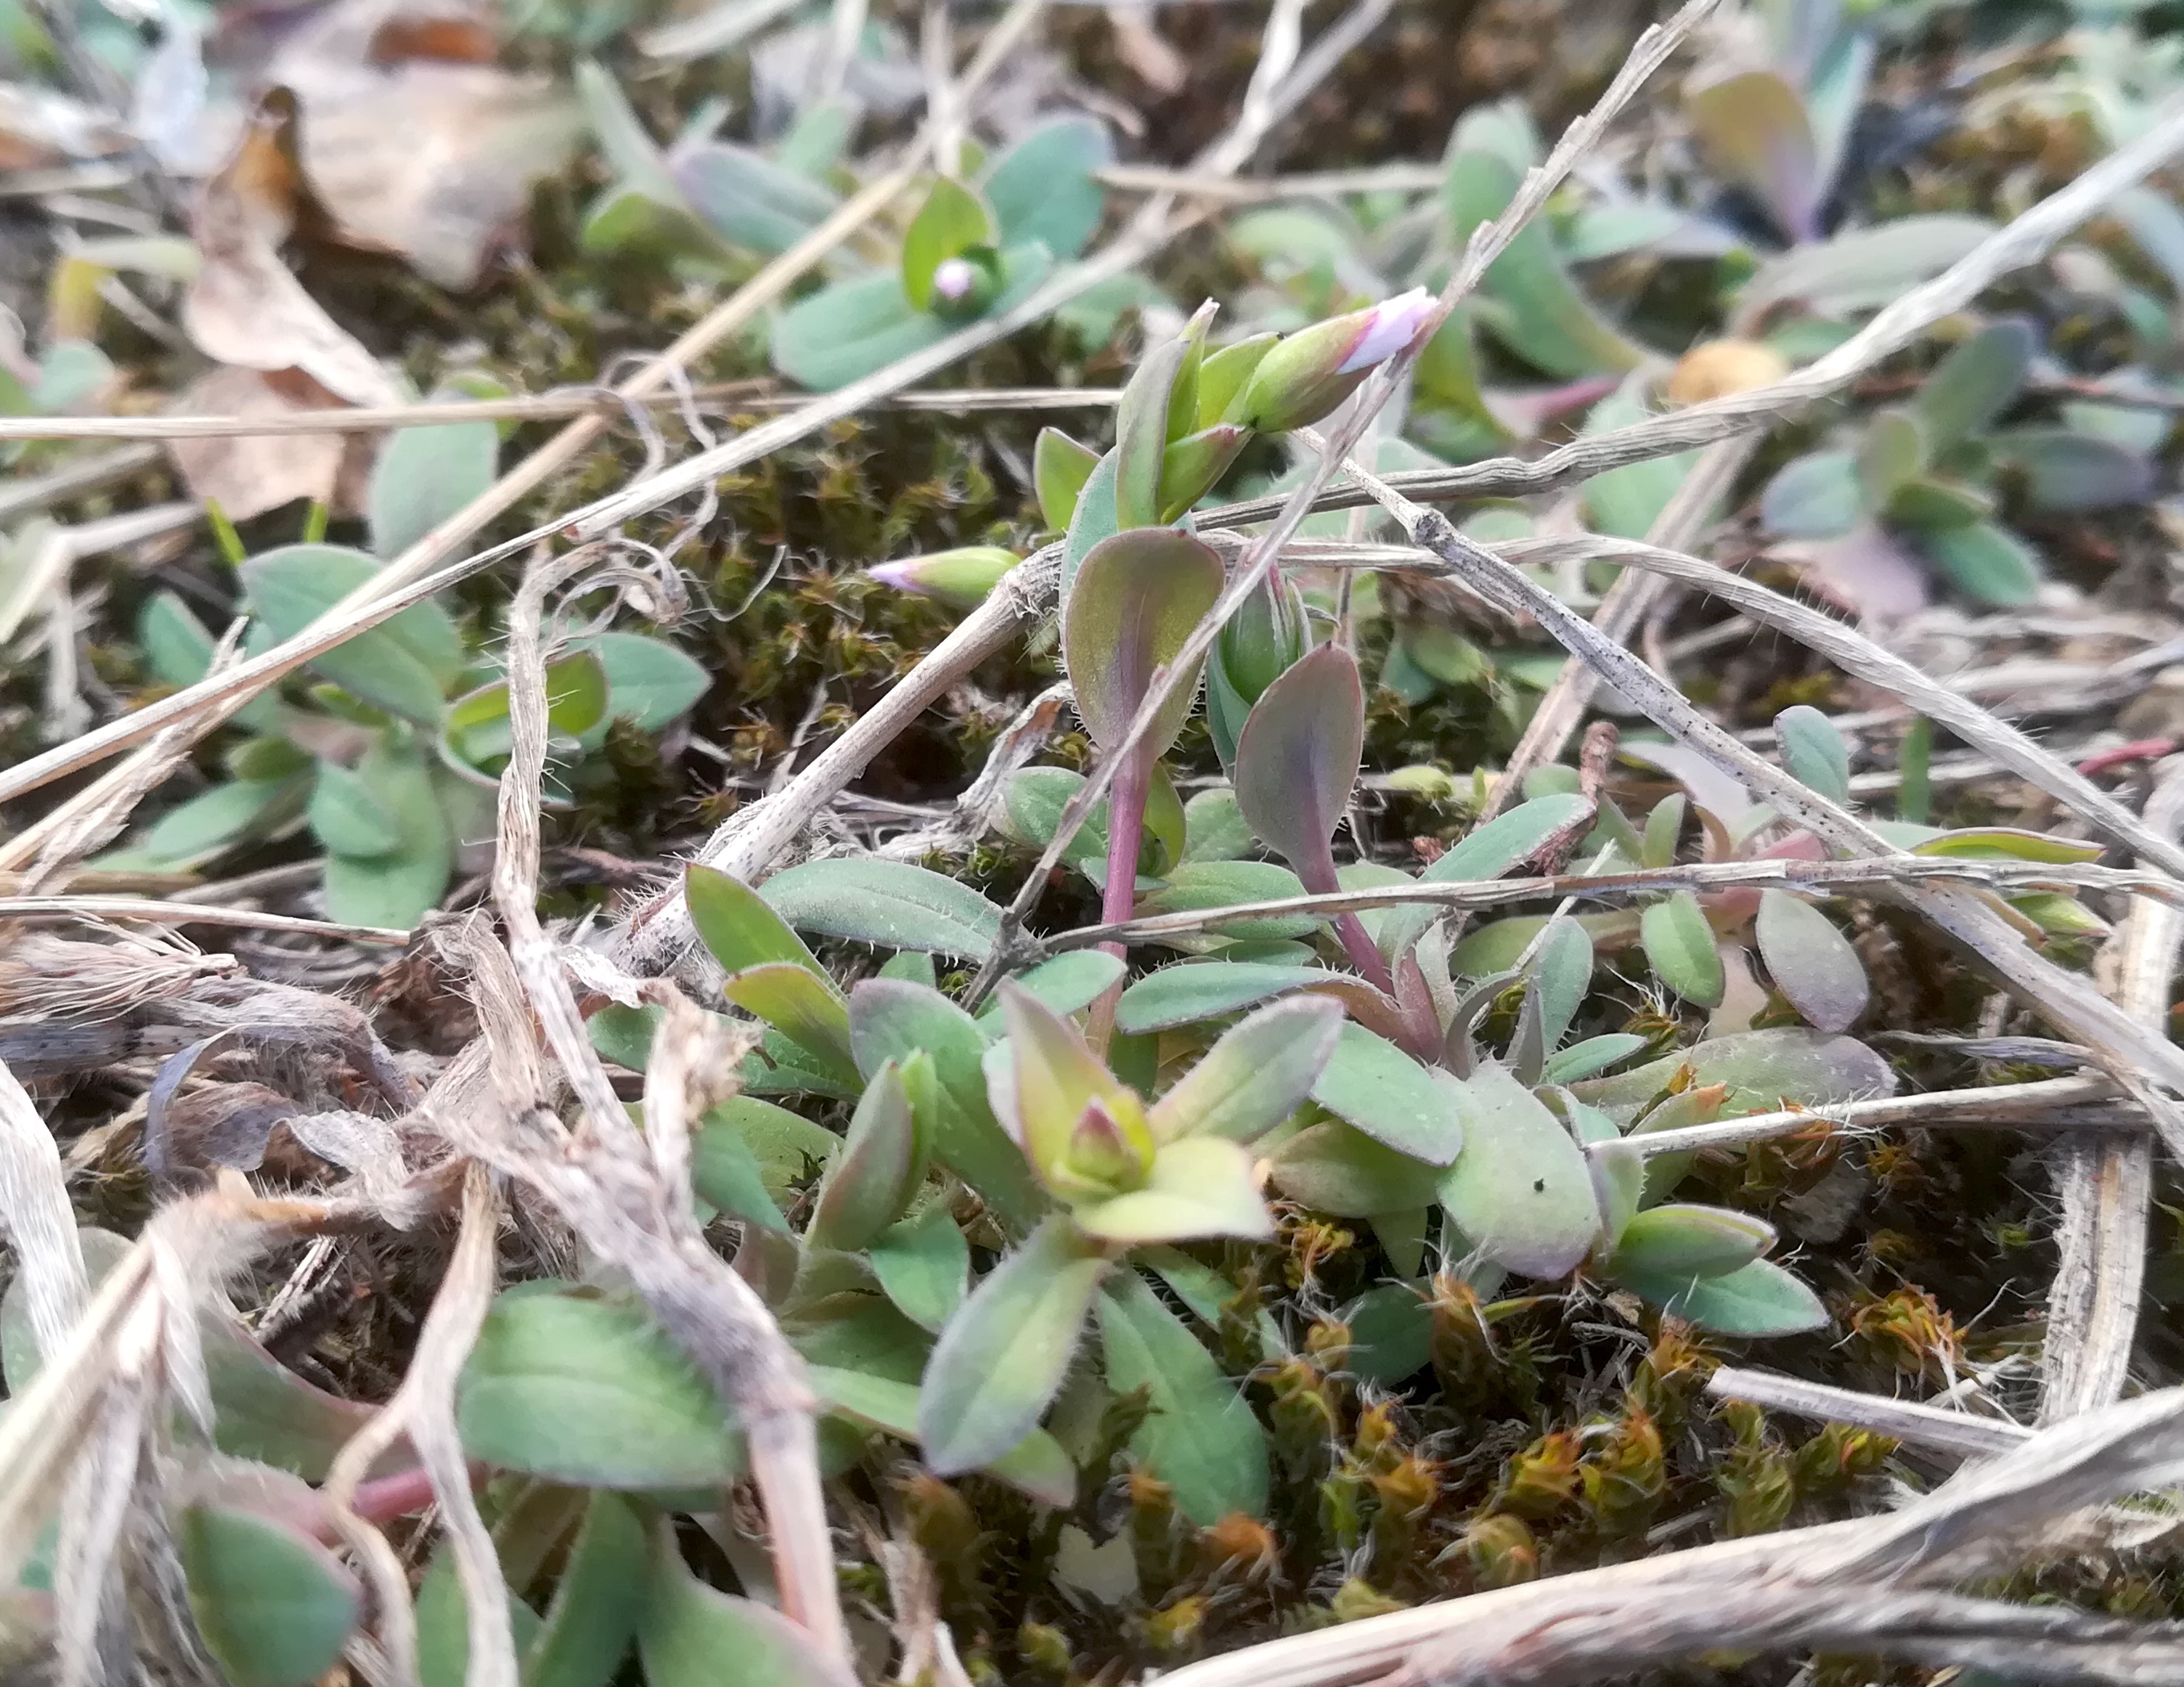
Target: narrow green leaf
(1001, 1360)
(1682, 1240)
(1679, 946)
(1195, 990)
(1037, 1464)
(807, 1011)
(594, 1615)
(1762, 1070)
(1892, 454)
(2008, 843)
(923, 1264)
(871, 1178)
(1976, 381)
(740, 925)
(1200, 1436)
(1539, 312)
(1196, 887)
(891, 904)
(1561, 973)
(1066, 983)
(891, 1019)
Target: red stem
(1119, 897)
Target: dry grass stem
(2106, 1183)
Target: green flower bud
(1310, 373)
(960, 578)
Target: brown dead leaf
(245, 309)
(413, 141)
(248, 476)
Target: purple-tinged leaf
(1863, 571)
(871, 1179)
(1297, 758)
(1135, 599)
(1812, 963)
(1753, 129)
(1060, 467)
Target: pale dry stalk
(2106, 1181)
(423, 1409)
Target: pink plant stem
(1126, 826)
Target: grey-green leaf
(1814, 751)
(1388, 1096)
(1811, 962)
(1521, 1189)
(1759, 1300)
(406, 664)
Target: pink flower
(1390, 326)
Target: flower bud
(965, 285)
(1191, 466)
(960, 578)
(1110, 1150)
(1315, 368)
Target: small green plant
(1923, 487)
(974, 249)
(390, 757)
